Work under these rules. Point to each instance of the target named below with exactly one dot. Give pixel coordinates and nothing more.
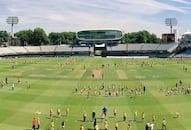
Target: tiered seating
(120, 47)
(167, 47)
(135, 47)
(172, 48)
(33, 49)
(50, 48)
(79, 49)
(6, 50)
(18, 49)
(184, 54)
(150, 47)
(63, 48)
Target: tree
(56, 38)
(70, 37)
(62, 38)
(4, 37)
(37, 37)
(155, 39)
(140, 37)
(40, 37)
(143, 36)
(25, 37)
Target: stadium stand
(18, 49)
(185, 54)
(141, 49)
(167, 47)
(121, 47)
(33, 49)
(6, 51)
(63, 48)
(80, 48)
(50, 48)
(149, 47)
(137, 49)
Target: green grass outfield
(50, 83)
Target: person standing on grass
(135, 115)
(59, 112)
(147, 126)
(88, 94)
(38, 123)
(163, 124)
(153, 118)
(67, 111)
(144, 88)
(6, 80)
(177, 114)
(51, 112)
(152, 126)
(143, 116)
(34, 123)
(97, 127)
(81, 127)
(116, 126)
(104, 110)
(94, 124)
(52, 125)
(128, 127)
(63, 125)
(84, 116)
(180, 82)
(105, 125)
(124, 116)
(13, 87)
(114, 112)
(93, 116)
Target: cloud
(182, 1)
(72, 15)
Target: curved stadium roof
(99, 35)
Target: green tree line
(38, 37)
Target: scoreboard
(168, 38)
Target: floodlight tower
(12, 20)
(171, 22)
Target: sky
(75, 15)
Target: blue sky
(74, 15)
